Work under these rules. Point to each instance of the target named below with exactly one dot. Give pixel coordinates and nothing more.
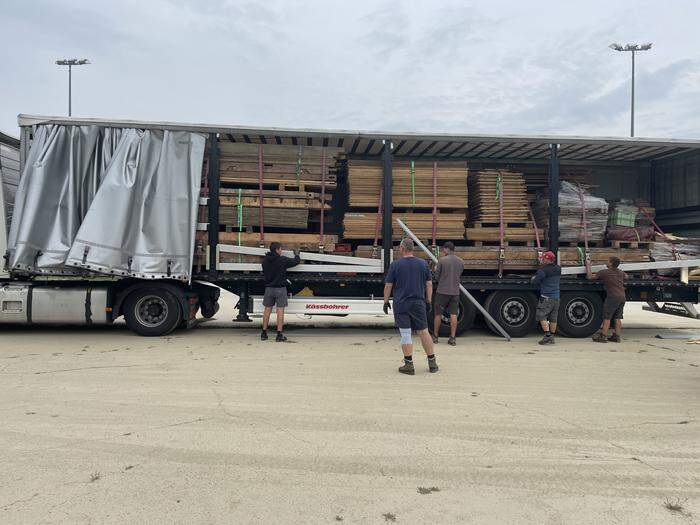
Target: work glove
(386, 308)
(296, 251)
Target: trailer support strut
(387, 226)
(243, 298)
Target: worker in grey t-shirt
(447, 274)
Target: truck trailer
(122, 218)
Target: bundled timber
(282, 165)
(301, 241)
(287, 218)
(522, 258)
(364, 225)
(488, 187)
(537, 178)
(273, 198)
(412, 184)
(573, 200)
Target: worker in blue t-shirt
(409, 278)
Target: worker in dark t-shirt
(613, 280)
(409, 278)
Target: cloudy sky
(496, 66)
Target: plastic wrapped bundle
(625, 233)
(666, 251)
(572, 200)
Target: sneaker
(432, 365)
(547, 340)
(408, 369)
(600, 338)
(614, 338)
(452, 341)
(435, 339)
(280, 338)
(263, 335)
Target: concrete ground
(213, 426)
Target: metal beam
(686, 263)
(553, 197)
(387, 203)
(213, 208)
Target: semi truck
(105, 219)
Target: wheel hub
(578, 312)
(513, 311)
(151, 310)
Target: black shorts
(447, 303)
(415, 317)
(547, 309)
(612, 308)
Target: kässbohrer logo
(327, 306)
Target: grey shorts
(275, 297)
(613, 308)
(447, 303)
(547, 309)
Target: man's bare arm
(429, 292)
(387, 291)
(589, 273)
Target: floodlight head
(615, 47)
(646, 46)
(72, 62)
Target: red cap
(549, 256)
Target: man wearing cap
(547, 278)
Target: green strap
(581, 255)
(412, 170)
(498, 186)
(299, 165)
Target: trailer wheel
(152, 312)
(514, 311)
(580, 313)
(209, 308)
(465, 318)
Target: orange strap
(378, 221)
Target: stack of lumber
(412, 184)
(537, 177)
(672, 248)
(286, 166)
(485, 190)
(523, 258)
(572, 200)
(418, 188)
(364, 225)
(297, 184)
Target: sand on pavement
(214, 426)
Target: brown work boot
(600, 338)
(407, 368)
(614, 338)
(432, 365)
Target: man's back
(408, 275)
(548, 278)
(448, 273)
(613, 280)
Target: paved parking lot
(213, 426)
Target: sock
(408, 359)
(548, 333)
(431, 357)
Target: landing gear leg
(243, 298)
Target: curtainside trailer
(117, 218)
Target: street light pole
(633, 48)
(70, 62)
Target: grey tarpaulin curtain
(115, 201)
(52, 187)
(142, 220)
(9, 176)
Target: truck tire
(209, 308)
(580, 313)
(465, 318)
(152, 312)
(513, 310)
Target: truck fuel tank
(28, 303)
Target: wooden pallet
(484, 201)
(287, 218)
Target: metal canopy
(421, 145)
